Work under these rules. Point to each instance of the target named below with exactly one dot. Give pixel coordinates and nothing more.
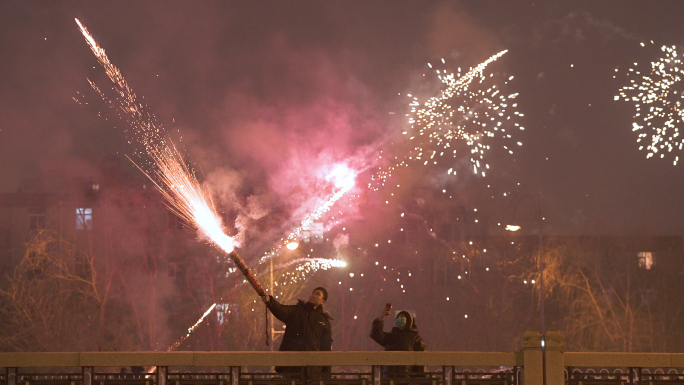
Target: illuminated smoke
(184, 195)
(343, 178)
(658, 97)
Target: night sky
(266, 93)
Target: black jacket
(404, 339)
(307, 329)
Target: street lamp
(540, 268)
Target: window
(222, 312)
(37, 218)
(171, 269)
(314, 233)
(609, 295)
(646, 260)
(648, 296)
(5, 239)
(84, 219)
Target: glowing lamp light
(292, 245)
(512, 227)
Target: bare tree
(51, 302)
(604, 302)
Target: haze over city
(392, 140)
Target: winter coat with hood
(399, 339)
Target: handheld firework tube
(247, 273)
(240, 263)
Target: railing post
(234, 375)
(162, 375)
(448, 372)
(377, 373)
(11, 376)
(555, 363)
(533, 371)
(87, 375)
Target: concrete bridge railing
(525, 367)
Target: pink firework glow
(343, 177)
(182, 192)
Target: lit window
(314, 233)
(222, 312)
(36, 218)
(84, 219)
(646, 260)
(648, 296)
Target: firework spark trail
(183, 194)
(176, 344)
(658, 99)
(343, 177)
(177, 183)
(185, 197)
(318, 263)
(460, 114)
(148, 133)
(306, 223)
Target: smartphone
(388, 306)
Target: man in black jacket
(403, 337)
(307, 328)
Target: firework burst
(469, 109)
(658, 97)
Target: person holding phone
(403, 337)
